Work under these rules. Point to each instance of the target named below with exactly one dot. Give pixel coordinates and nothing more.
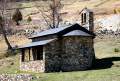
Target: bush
(11, 52)
(17, 16)
(116, 50)
(29, 19)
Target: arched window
(84, 18)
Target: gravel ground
(15, 77)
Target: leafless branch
(4, 21)
(53, 19)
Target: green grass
(9, 65)
(92, 75)
(103, 49)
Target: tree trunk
(53, 14)
(5, 37)
(53, 18)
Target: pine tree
(17, 16)
(29, 19)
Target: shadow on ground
(105, 63)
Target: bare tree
(51, 15)
(4, 22)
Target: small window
(84, 18)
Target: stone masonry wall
(78, 53)
(32, 66)
(52, 57)
(64, 54)
(69, 54)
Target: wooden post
(23, 55)
(43, 58)
(29, 54)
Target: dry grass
(72, 7)
(14, 40)
(104, 48)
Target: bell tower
(87, 19)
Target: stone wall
(69, 54)
(52, 56)
(64, 54)
(78, 53)
(33, 66)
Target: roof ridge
(46, 31)
(62, 30)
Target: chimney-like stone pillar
(87, 19)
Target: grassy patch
(92, 75)
(104, 50)
(9, 65)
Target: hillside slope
(70, 12)
(72, 8)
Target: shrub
(29, 19)
(17, 16)
(116, 50)
(11, 52)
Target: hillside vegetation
(71, 9)
(74, 6)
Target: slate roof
(50, 31)
(77, 33)
(38, 43)
(63, 30)
(85, 10)
(71, 30)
